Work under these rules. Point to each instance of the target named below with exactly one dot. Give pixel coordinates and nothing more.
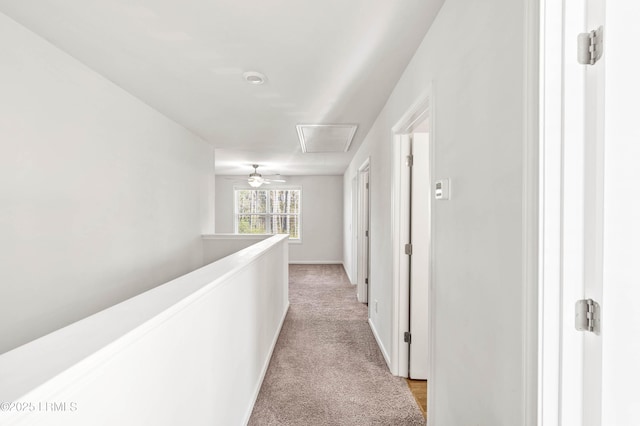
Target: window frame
(267, 215)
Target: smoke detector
(254, 77)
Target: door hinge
(366, 233)
(408, 249)
(588, 316)
(409, 161)
(407, 337)
(366, 280)
(367, 185)
(590, 46)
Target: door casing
(416, 114)
(364, 214)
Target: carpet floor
(326, 368)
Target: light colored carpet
(327, 368)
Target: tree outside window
(268, 211)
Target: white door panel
(367, 236)
(420, 258)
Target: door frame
(363, 210)
(354, 231)
(421, 109)
(564, 370)
(559, 394)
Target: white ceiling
(326, 61)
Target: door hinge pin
(587, 316)
(409, 161)
(590, 46)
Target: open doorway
(411, 354)
(418, 250)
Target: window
(268, 211)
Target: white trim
(353, 274)
(550, 213)
(414, 114)
(419, 110)
(346, 271)
(530, 179)
(265, 367)
(361, 274)
(400, 350)
(316, 262)
(431, 402)
(379, 342)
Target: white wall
(193, 351)
(349, 227)
(101, 197)
(474, 58)
(217, 246)
(322, 227)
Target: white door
(354, 230)
(364, 232)
(367, 232)
(420, 257)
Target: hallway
(326, 368)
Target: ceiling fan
(256, 180)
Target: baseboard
(346, 270)
(315, 262)
(265, 367)
(379, 342)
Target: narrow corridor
(327, 368)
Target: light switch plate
(442, 191)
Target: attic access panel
(326, 137)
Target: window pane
(295, 202)
(286, 224)
(285, 201)
(252, 224)
(251, 201)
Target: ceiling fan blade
(276, 178)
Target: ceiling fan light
(255, 178)
(255, 181)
